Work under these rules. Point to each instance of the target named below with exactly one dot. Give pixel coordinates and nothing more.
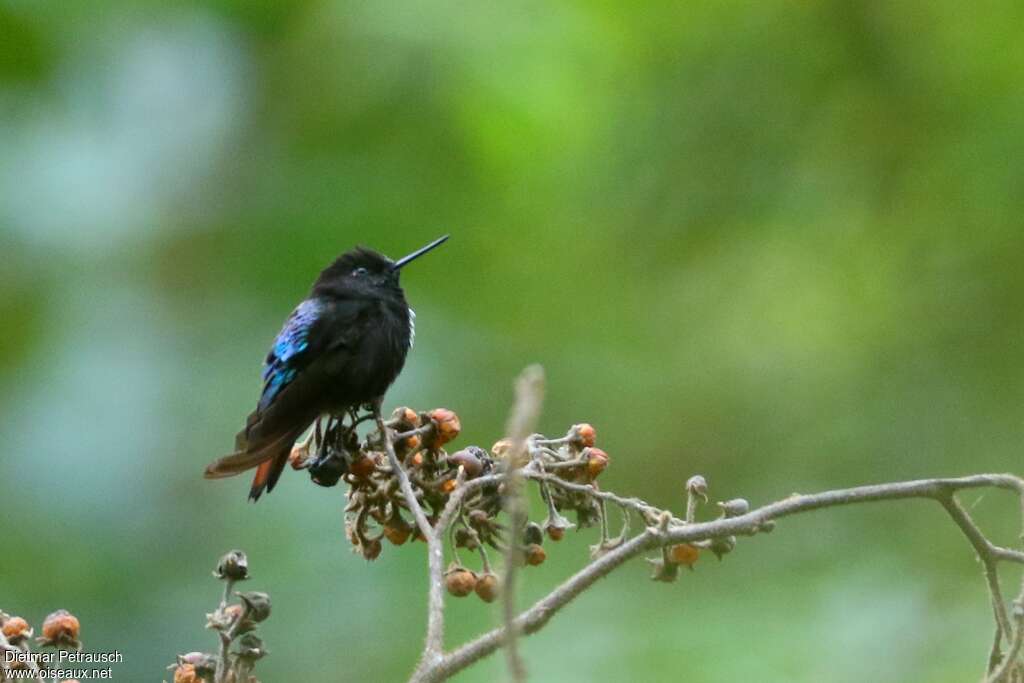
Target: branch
(435, 552)
(941, 490)
(403, 478)
(521, 423)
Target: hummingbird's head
(364, 272)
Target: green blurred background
(777, 244)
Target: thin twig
(460, 494)
(984, 550)
(434, 643)
(646, 511)
(221, 673)
(995, 654)
(1010, 658)
(229, 583)
(403, 478)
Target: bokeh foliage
(778, 244)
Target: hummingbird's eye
(359, 272)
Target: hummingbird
(341, 348)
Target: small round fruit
(460, 581)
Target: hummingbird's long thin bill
(419, 252)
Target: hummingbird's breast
(376, 358)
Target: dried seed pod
(697, 486)
(479, 519)
(735, 507)
(459, 581)
(588, 513)
(469, 460)
(723, 545)
(234, 565)
(464, 538)
(555, 526)
(533, 534)
(487, 587)
(258, 604)
(397, 530)
(205, 664)
(370, 548)
(251, 647)
(534, 554)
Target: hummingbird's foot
(327, 471)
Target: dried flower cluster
(60, 631)
(377, 510)
(235, 624)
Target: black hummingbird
(341, 348)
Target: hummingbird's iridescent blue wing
(290, 352)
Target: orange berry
(556, 533)
(685, 554)
(397, 533)
(363, 467)
(584, 435)
(597, 460)
(460, 581)
(186, 673)
(411, 443)
(60, 628)
(16, 629)
(446, 426)
(405, 418)
(416, 460)
(447, 486)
